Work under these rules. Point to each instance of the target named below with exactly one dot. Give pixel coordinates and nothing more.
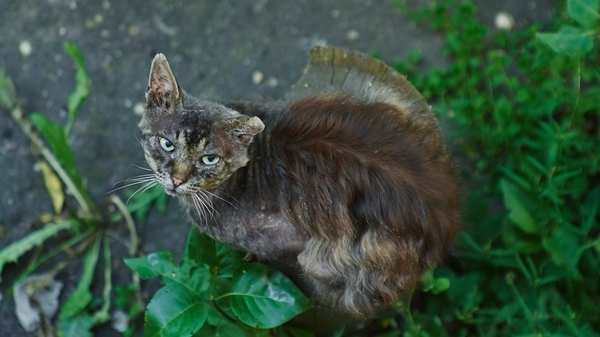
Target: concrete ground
(221, 49)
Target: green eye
(166, 145)
(210, 159)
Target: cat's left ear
(243, 128)
(163, 90)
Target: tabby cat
(346, 184)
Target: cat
(346, 185)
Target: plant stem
(103, 315)
(86, 207)
(134, 243)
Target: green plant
(83, 227)
(522, 112)
(213, 291)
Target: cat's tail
(333, 71)
(339, 71)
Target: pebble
(138, 108)
(257, 77)
(504, 21)
(25, 48)
(120, 321)
(272, 82)
(352, 35)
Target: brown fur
(377, 196)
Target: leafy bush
(523, 110)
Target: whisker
(198, 207)
(142, 168)
(142, 189)
(222, 199)
(118, 188)
(209, 204)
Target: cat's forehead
(190, 123)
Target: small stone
(139, 109)
(98, 18)
(335, 13)
(128, 103)
(272, 82)
(120, 321)
(134, 30)
(257, 77)
(352, 35)
(106, 5)
(504, 21)
(25, 48)
(62, 31)
(105, 33)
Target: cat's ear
(163, 90)
(242, 129)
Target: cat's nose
(177, 181)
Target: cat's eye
(166, 144)
(210, 159)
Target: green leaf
(16, 249)
(195, 278)
(264, 299)
(82, 296)
(174, 312)
(140, 204)
(435, 285)
(57, 140)
(8, 97)
(514, 202)
(563, 245)
(585, 12)
(152, 265)
(82, 84)
(78, 326)
(569, 41)
(200, 249)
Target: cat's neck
(259, 176)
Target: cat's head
(191, 145)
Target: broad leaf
(568, 41)
(82, 83)
(262, 298)
(82, 296)
(57, 140)
(15, 250)
(174, 312)
(563, 245)
(200, 249)
(152, 265)
(195, 278)
(585, 12)
(78, 326)
(514, 201)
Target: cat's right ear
(163, 90)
